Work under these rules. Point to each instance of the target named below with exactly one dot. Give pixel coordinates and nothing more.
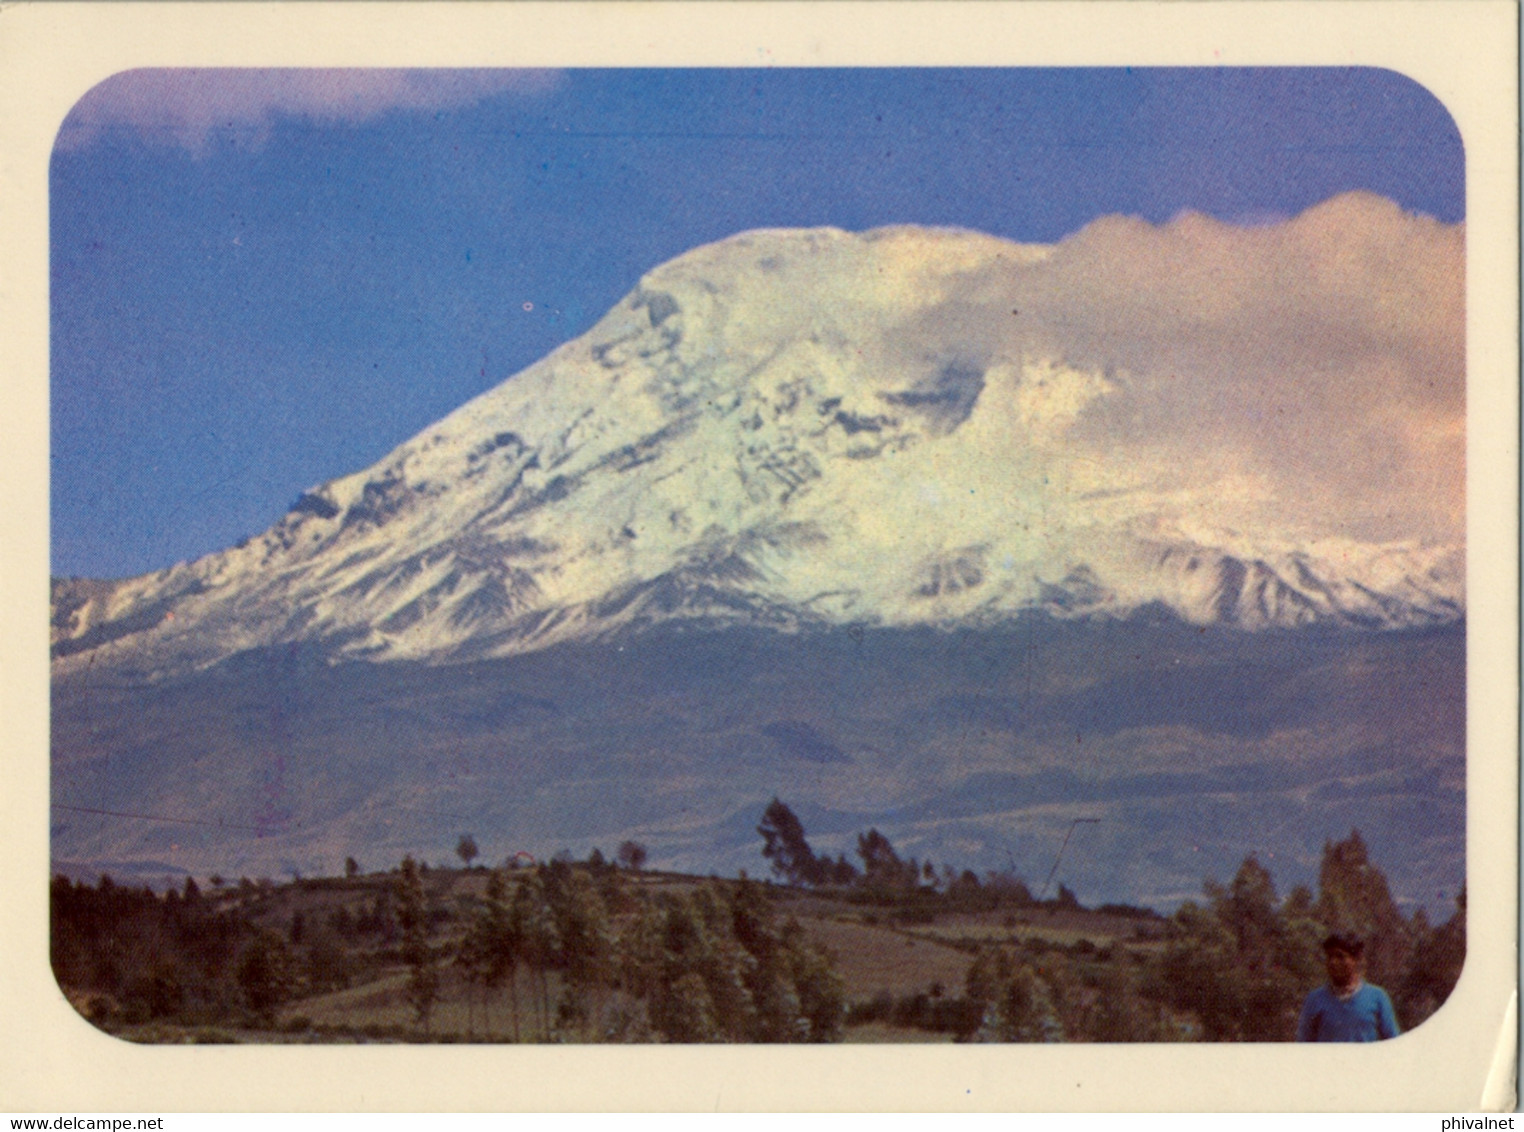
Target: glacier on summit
(786, 428)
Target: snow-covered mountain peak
(784, 428)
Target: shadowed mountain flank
(963, 746)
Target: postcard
(859, 556)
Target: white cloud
(187, 107)
(1303, 375)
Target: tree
(1242, 964)
(265, 974)
(327, 964)
(775, 1002)
(1354, 897)
(505, 946)
(1120, 1013)
(586, 941)
(1248, 908)
(840, 871)
(422, 988)
(533, 928)
(785, 846)
(1007, 887)
(695, 972)
(488, 953)
(638, 952)
(351, 867)
(686, 1011)
(1434, 969)
(466, 849)
(632, 855)
(1023, 1010)
(710, 949)
(817, 987)
(161, 990)
(1014, 1000)
(882, 867)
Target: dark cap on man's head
(1349, 944)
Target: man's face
(1343, 968)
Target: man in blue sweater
(1348, 1009)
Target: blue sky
(262, 280)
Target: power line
(419, 810)
(231, 825)
(154, 817)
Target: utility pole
(1054, 870)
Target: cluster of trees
(145, 957)
(1041, 991)
(1234, 967)
(574, 951)
(594, 952)
(1241, 962)
(884, 874)
(712, 964)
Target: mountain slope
(1194, 746)
(784, 429)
